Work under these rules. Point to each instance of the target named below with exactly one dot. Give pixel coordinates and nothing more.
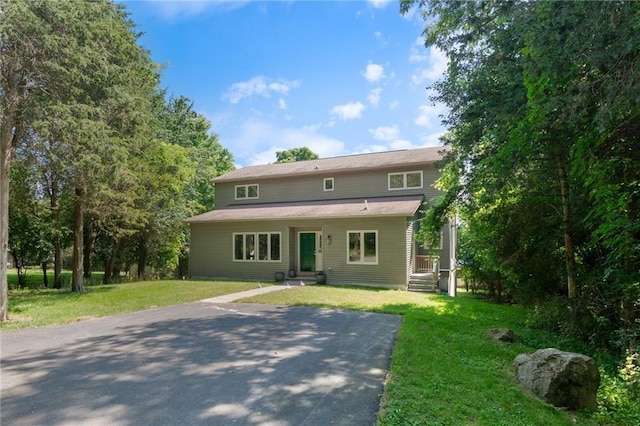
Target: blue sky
(339, 77)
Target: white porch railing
(428, 264)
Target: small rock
(503, 335)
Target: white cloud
(374, 96)
(257, 86)
(437, 61)
(255, 140)
(390, 135)
(426, 141)
(374, 73)
(429, 116)
(348, 111)
(282, 103)
(401, 144)
(416, 56)
(383, 133)
(173, 10)
(264, 134)
(282, 86)
(418, 53)
(379, 4)
(394, 105)
(432, 139)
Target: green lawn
(445, 370)
(38, 307)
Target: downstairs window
(256, 247)
(362, 247)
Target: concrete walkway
(201, 363)
(232, 297)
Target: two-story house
(352, 217)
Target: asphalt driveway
(200, 363)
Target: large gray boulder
(564, 379)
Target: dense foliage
(544, 131)
(295, 154)
(103, 164)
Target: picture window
(257, 247)
(362, 247)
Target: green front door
(307, 251)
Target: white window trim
(361, 261)
(246, 188)
(256, 246)
(324, 184)
(404, 180)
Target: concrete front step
(422, 282)
(424, 289)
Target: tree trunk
(5, 161)
(109, 265)
(19, 269)
(77, 275)
(45, 279)
(629, 297)
(57, 263)
(569, 252)
(89, 239)
(142, 254)
(183, 266)
(57, 246)
(10, 133)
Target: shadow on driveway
(200, 363)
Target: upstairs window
(247, 192)
(405, 180)
(328, 184)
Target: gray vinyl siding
(346, 185)
(212, 250)
(390, 272)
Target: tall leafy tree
(164, 178)
(21, 53)
(96, 101)
(181, 125)
(72, 72)
(194, 157)
(544, 111)
(295, 154)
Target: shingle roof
(380, 206)
(333, 164)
